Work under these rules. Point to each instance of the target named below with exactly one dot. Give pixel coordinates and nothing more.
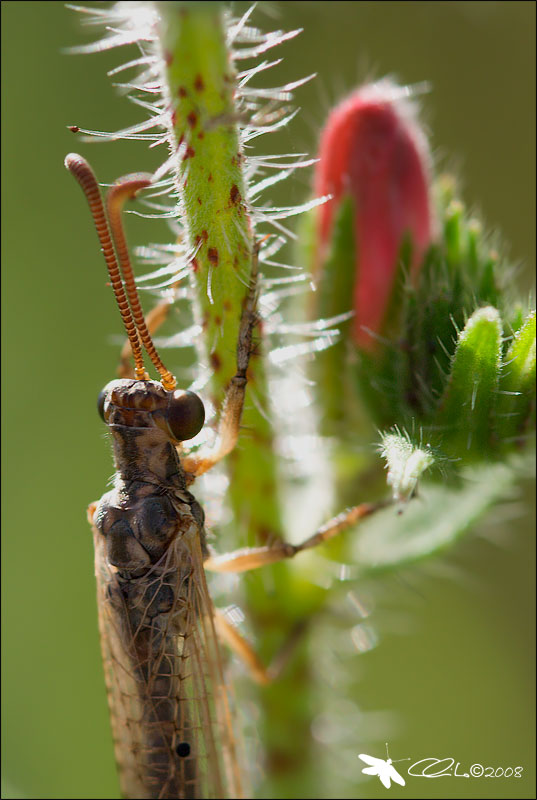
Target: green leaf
(432, 521)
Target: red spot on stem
(199, 86)
(216, 361)
(212, 255)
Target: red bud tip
(373, 149)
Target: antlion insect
(171, 718)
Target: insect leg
(229, 634)
(228, 429)
(242, 648)
(91, 511)
(253, 557)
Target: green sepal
(383, 376)
(454, 236)
(408, 375)
(336, 285)
(465, 418)
(516, 401)
(335, 394)
(488, 289)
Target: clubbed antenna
(122, 190)
(110, 233)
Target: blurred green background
(454, 668)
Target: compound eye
(185, 415)
(100, 403)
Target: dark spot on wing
(183, 749)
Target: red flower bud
(373, 149)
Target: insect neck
(146, 455)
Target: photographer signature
(432, 768)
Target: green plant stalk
(200, 82)
(199, 78)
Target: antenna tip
(72, 161)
